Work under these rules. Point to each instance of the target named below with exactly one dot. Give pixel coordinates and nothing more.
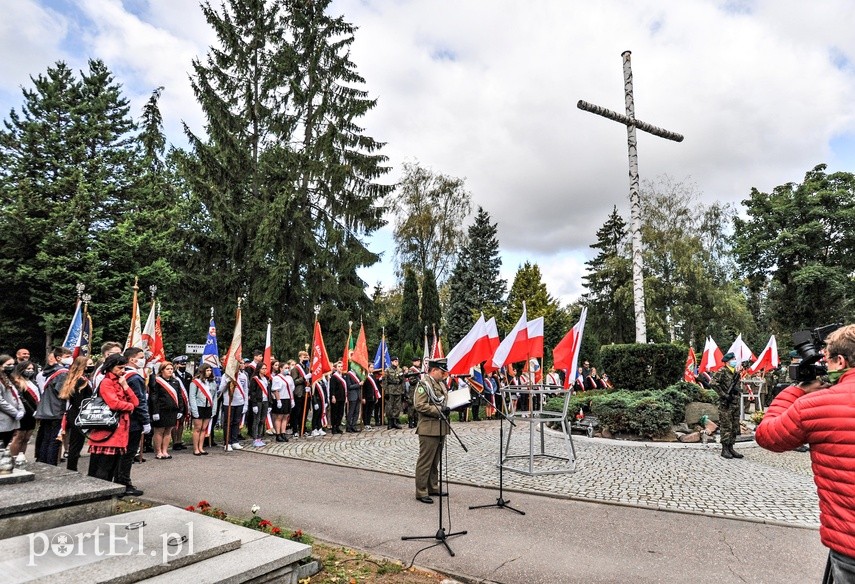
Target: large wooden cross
(635, 202)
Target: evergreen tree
(609, 284)
(411, 331)
(528, 287)
(431, 314)
(286, 177)
(461, 301)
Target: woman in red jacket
(107, 446)
(823, 416)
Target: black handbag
(95, 414)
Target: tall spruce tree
(461, 301)
(431, 313)
(609, 284)
(285, 175)
(69, 166)
(411, 330)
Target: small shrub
(649, 417)
(677, 400)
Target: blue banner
(382, 356)
(211, 354)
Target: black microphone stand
(501, 502)
(441, 536)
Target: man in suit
(430, 402)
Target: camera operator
(726, 384)
(822, 415)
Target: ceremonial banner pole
(383, 350)
(232, 366)
(307, 394)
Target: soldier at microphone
(430, 402)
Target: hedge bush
(643, 366)
(648, 413)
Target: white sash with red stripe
(374, 385)
(282, 376)
(54, 375)
(262, 383)
(168, 389)
(34, 391)
(201, 387)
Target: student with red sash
(167, 406)
(259, 398)
(203, 391)
(283, 395)
(370, 394)
(235, 398)
(140, 421)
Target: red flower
(190, 508)
(275, 531)
(297, 534)
(204, 504)
(264, 523)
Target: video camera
(808, 344)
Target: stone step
(119, 550)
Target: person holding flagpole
(259, 392)
(302, 377)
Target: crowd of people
(156, 403)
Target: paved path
(765, 487)
(558, 540)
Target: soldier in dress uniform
(412, 415)
(430, 402)
(393, 389)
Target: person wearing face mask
(166, 400)
(140, 422)
(11, 406)
(726, 384)
(23, 377)
(822, 415)
(76, 388)
(52, 408)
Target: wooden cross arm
(620, 118)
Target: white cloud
(487, 90)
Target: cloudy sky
(486, 90)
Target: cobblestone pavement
(763, 486)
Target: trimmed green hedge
(643, 366)
(648, 413)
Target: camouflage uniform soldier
(393, 390)
(726, 384)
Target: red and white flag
(135, 334)
(768, 358)
(471, 350)
(320, 362)
(565, 356)
(711, 357)
(268, 351)
(158, 355)
(534, 331)
(148, 332)
(514, 347)
(741, 351)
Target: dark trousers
(367, 412)
(259, 421)
(76, 439)
(126, 460)
(103, 466)
(6, 437)
(353, 413)
(297, 416)
(233, 423)
(842, 568)
(337, 413)
(476, 408)
(378, 413)
(47, 446)
(317, 417)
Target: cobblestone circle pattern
(763, 486)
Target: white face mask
(140, 363)
(67, 361)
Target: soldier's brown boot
(734, 453)
(725, 452)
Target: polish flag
(233, 357)
(268, 351)
(471, 350)
(514, 347)
(711, 357)
(741, 351)
(534, 331)
(566, 353)
(158, 355)
(493, 342)
(768, 357)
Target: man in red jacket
(823, 416)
